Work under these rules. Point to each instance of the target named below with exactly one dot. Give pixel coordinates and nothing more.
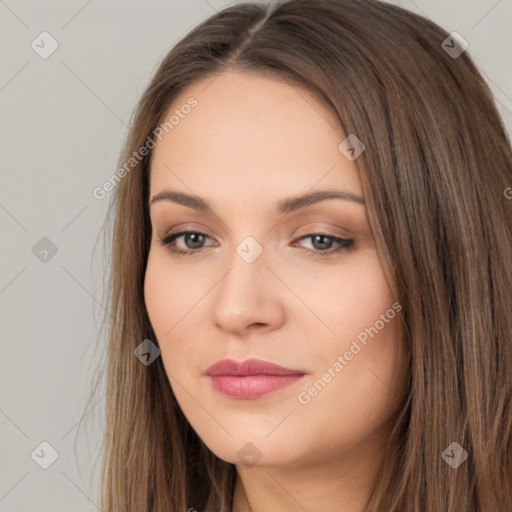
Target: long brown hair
(434, 174)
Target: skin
(250, 142)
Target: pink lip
(251, 378)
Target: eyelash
(344, 243)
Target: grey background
(63, 122)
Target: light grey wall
(63, 120)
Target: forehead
(250, 133)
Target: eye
(319, 241)
(194, 238)
(194, 241)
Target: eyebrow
(283, 206)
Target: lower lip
(251, 386)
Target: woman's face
(270, 276)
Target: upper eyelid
(314, 230)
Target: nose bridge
(245, 295)
(249, 250)
(246, 279)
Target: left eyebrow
(283, 206)
(297, 202)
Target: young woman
(311, 280)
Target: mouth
(251, 378)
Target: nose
(247, 298)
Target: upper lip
(249, 367)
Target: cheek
(355, 300)
(364, 355)
(157, 294)
(163, 306)
(360, 379)
(169, 300)
(165, 293)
